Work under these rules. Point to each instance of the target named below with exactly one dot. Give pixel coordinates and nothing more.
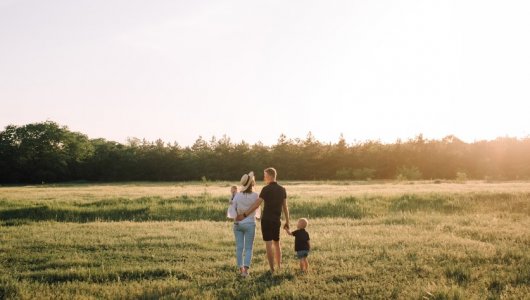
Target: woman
(244, 230)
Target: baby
(301, 243)
(233, 192)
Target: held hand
(286, 226)
(240, 218)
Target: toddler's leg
(306, 263)
(302, 264)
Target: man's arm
(250, 210)
(285, 213)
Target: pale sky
(252, 70)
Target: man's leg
(270, 254)
(278, 253)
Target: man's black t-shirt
(300, 240)
(273, 195)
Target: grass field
(402, 240)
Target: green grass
(400, 245)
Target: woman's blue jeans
(244, 234)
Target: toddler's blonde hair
(304, 221)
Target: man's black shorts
(270, 230)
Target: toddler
(301, 243)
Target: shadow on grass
(96, 276)
(45, 213)
(428, 203)
(341, 208)
(8, 288)
(247, 288)
(20, 216)
(458, 274)
(183, 208)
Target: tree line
(49, 152)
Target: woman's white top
(242, 202)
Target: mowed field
(383, 240)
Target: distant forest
(49, 152)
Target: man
(275, 198)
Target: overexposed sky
(255, 69)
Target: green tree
(43, 152)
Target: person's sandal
(244, 272)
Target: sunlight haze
(252, 70)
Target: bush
(344, 174)
(408, 173)
(461, 176)
(356, 174)
(363, 174)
